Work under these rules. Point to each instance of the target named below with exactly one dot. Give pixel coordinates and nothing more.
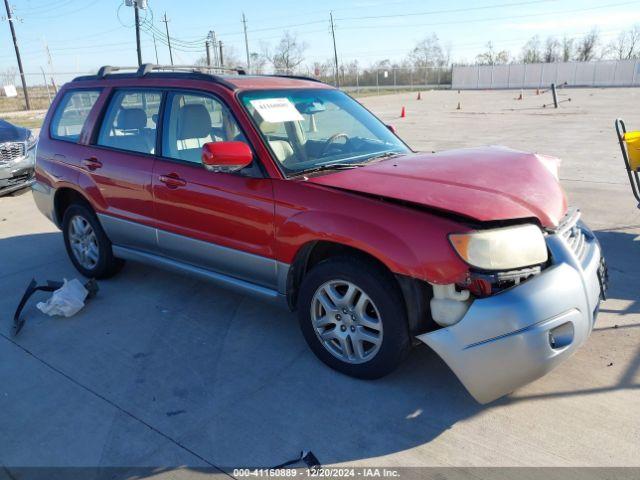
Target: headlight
(32, 141)
(32, 148)
(501, 248)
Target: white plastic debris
(66, 301)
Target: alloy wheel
(346, 321)
(84, 242)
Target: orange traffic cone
(402, 113)
(419, 97)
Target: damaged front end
(512, 327)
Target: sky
(85, 34)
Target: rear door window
(131, 121)
(71, 114)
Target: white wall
(620, 73)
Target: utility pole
(166, 26)
(221, 57)
(137, 16)
(206, 46)
(246, 42)
(50, 62)
(335, 50)
(15, 45)
(214, 46)
(155, 47)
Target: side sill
(235, 284)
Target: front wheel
(352, 316)
(87, 245)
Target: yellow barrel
(632, 139)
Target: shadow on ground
(221, 375)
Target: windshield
(312, 129)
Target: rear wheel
(352, 316)
(87, 245)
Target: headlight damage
(505, 248)
(500, 258)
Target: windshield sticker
(277, 110)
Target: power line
(455, 10)
(490, 19)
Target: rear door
(219, 221)
(60, 153)
(121, 164)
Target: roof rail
(149, 67)
(146, 68)
(297, 77)
(107, 69)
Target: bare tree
(491, 57)
(427, 53)
(627, 45)
(8, 76)
(288, 54)
(586, 50)
(567, 49)
(258, 62)
(551, 51)
(531, 51)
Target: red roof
(259, 82)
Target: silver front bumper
(504, 341)
(16, 173)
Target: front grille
(573, 235)
(11, 151)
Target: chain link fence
(381, 79)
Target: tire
(343, 347)
(100, 262)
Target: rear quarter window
(71, 114)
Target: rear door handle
(172, 180)
(92, 163)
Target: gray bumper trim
(502, 343)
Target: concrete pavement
(166, 371)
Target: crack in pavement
(115, 405)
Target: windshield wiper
(347, 165)
(384, 155)
(331, 166)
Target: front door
(218, 221)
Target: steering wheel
(332, 140)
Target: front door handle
(92, 163)
(172, 180)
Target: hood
(485, 184)
(12, 133)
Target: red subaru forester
(288, 189)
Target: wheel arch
(415, 293)
(64, 198)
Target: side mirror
(226, 156)
(392, 129)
